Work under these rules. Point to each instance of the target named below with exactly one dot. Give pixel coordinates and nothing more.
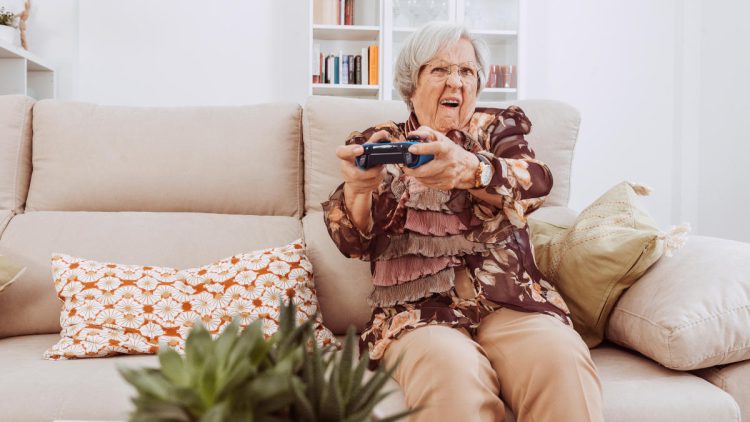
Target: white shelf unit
(23, 73)
(348, 39)
(500, 23)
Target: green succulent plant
(243, 376)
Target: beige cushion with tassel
(609, 246)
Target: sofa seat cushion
(229, 160)
(734, 379)
(178, 240)
(34, 389)
(635, 389)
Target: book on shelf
(358, 69)
(344, 68)
(373, 64)
(352, 78)
(348, 12)
(336, 70)
(317, 58)
(365, 69)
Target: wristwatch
(483, 173)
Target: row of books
(333, 12)
(348, 69)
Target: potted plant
(8, 31)
(243, 376)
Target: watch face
(486, 175)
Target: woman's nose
(454, 79)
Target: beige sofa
(182, 187)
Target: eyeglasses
(440, 70)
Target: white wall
(615, 62)
(724, 166)
(191, 52)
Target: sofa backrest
(227, 160)
(15, 151)
(329, 120)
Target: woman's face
(446, 91)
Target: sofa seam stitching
(713, 316)
(301, 160)
(18, 158)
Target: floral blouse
(422, 238)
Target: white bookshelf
(387, 23)
(21, 72)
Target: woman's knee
(440, 356)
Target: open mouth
(450, 103)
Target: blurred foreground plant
(243, 376)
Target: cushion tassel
(640, 189)
(675, 238)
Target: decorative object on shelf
(8, 31)
(507, 73)
(242, 376)
(333, 12)
(22, 18)
(493, 76)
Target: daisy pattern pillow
(111, 309)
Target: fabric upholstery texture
(178, 240)
(5, 216)
(611, 244)
(112, 309)
(9, 272)
(228, 160)
(342, 284)
(735, 380)
(15, 150)
(692, 310)
(327, 122)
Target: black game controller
(391, 153)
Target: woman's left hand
(452, 166)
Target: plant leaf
(173, 368)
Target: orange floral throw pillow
(111, 309)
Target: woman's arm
(517, 172)
(348, 213)
(519, 183)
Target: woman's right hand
(360, 184)
(358, 181)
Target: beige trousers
(538, 365)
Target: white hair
(423, 45)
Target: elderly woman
(457, 294)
